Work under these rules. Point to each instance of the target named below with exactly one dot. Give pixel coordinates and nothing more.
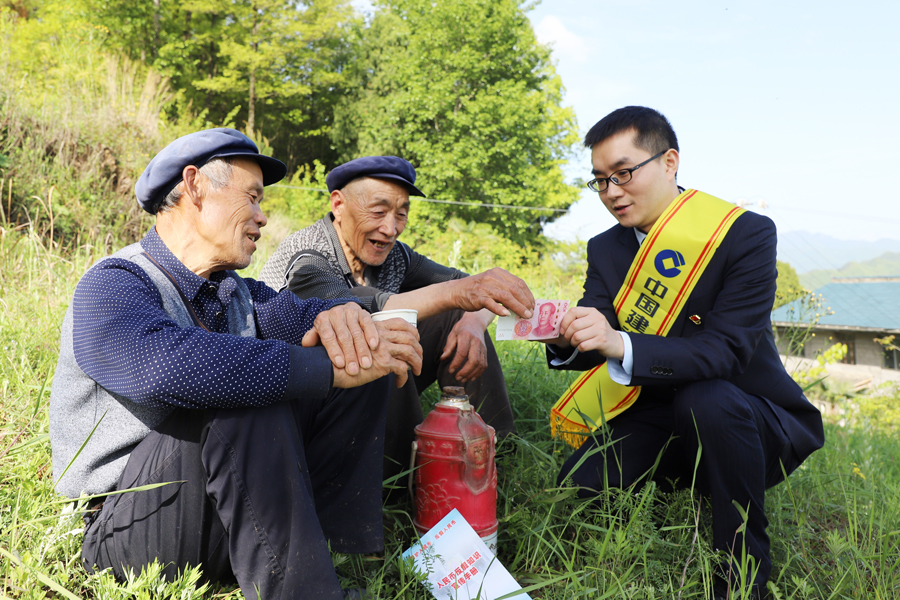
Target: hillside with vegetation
(90, 90)
(886, 265)
(808, 251)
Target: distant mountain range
(817, 257)
(886, 265)
(811, 251)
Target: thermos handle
(412, 466)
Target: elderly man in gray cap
(354, 250)
(262, 415)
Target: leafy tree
(270, 50)
(272, 67)
(464, 92)
(788, 287)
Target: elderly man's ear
(190, 182)
(338, 200)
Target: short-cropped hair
(219, 172)
(653, 132)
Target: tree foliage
(464, 91)
(272, 67)
(788, 287)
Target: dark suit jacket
(733, 342)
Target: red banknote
(543, 324)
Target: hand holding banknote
(497, 290)
(543, 324)
(481, 296)
(586, 328)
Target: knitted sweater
(108, 424)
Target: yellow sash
(661, 278)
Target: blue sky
(791, 107)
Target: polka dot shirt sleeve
(284, 316)
(125, 341)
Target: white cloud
(565, 44)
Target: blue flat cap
(164, 171)
(379, 167)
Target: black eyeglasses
(620, 177)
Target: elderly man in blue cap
(354, 250)
(257, 416)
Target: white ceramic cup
(407, 314)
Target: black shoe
(720, 588)
(356, 594)
(720, 591)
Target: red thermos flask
(455, 467)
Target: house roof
(863, 303)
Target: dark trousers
(260, 494)
(487, 393)
(743, 448)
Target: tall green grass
(834, 525)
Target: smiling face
(641, 201)
(230, 219)
(369, 216)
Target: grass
(834, 525)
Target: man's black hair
(653, 132)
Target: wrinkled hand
(398, 350)
(497, 290)
(587, 329)
(466, 344)
(348, 334)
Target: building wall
(866, 351)
(863, 375)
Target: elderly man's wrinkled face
(232, 218)
(370, 214)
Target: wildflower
(858, 472)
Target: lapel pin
(695, 319)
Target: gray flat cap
(380, 167)
(164, 171)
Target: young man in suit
(710, 375)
